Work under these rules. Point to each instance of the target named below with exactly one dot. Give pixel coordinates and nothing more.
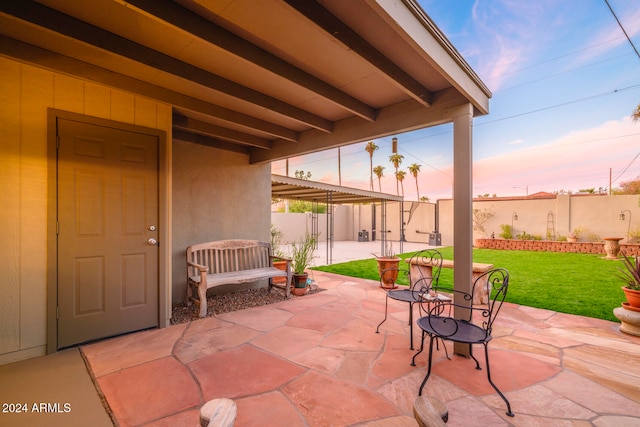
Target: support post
(463, 206)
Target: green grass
(583, 284)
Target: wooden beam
(82, 70)
(402, 117)
(208, 142)
(196, 126)
(187, 21)
(342, 32)
(101, 39)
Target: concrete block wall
(551, 246)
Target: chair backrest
(441, 301)
(497, 282)
(421, 280)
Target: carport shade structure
(284, 187)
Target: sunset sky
(564, 79)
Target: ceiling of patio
(269, 78)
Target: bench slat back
(229, 255)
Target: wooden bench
(481, 293)
(225, 262)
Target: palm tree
(415, 169)
(400, 177)
(370, 148)
(635, 116)
(396, 159)
(378, 171)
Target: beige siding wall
(217, 195)
(25, 95)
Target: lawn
(583, 284)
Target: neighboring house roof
(301, 189)
(269, 78)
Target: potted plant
(280, 260)
(302, 253)
(388, 267)
(575, 235)
(630, 274)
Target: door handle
(152, 241)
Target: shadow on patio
(317, 361)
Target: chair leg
(386, 306)
(474, 358)
(410, 326)
(486, 354)
(431, 337)
(446, 351)
(413, 360)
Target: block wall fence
(551, 246)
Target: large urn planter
(388, 271)
(630, 316)
(612, 247)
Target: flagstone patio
(316, 361)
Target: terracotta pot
(389, 277)
(280, 265)
(633, 297)
(300, 280)
(299, 291)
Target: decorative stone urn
(612, 247)
(388, 270)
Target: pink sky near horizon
(579, 160)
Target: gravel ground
(224, 303)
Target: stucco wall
(349, 220)
(293, 226)
(25, 95)
(597, 215)
(216, 195)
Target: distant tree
(300, 174)
(378, 170)
(415, 169)
(424, 199)
(629, 187)
(480, 217)
(302, 206)
(396, 159)
(370, 148)
(635, 116)
(400, 177)
(587, 190)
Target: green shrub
(507, 231)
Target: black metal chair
(419, 282)
(440, 324)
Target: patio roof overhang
(285, 187)
(272, 79)
(269, 78)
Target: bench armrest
(200, 267)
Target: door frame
(164, 216)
